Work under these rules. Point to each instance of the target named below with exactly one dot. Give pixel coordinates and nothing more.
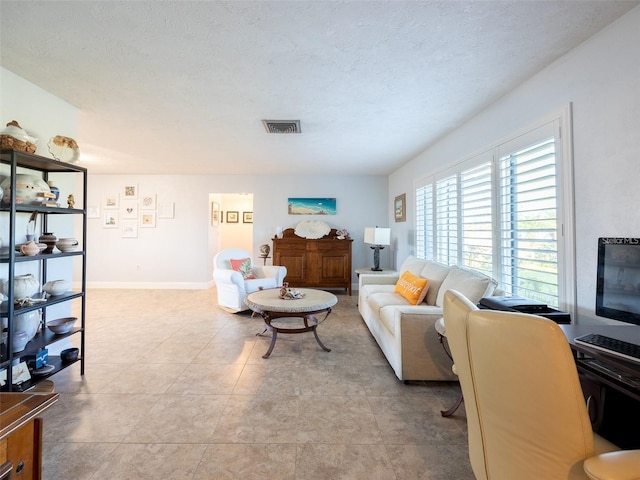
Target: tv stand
(610, 384)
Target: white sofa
(233, 288)
(406, 333)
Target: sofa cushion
(242, 265)
(470, 283)
(412, 287)
(383, 299)
(436, 273)
(413, 264)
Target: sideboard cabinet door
(319, 263)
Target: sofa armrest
(621, 465)
(271, 271)
(222, 276)
(374, 279)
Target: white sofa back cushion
(472, 284)
(436, 273)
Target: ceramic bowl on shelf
(61, 325)
(69, 354)
(67, 244)
(56, 287)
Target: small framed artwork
(93, 211)
(148, 219)
(129, 229)
(130, 191)
(129, 210)
(166, 209)
(215, 214)
(232, 216)
(247, 217)
(110, 219)
(400, 208)
(148, 201)
(110, 201)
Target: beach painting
(312, 206)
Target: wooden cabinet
(21, 434)
(321, 263)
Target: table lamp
(378, 238)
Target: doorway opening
(231, 222)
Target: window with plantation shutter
(424, 221)
(528, 221)
(502, 213)
(446, 211)
(476, 216)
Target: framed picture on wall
(247, 217)
(130, 191)
(110, 219)
(215, 214)
(110, 201)
(129, 209)
(148, 220)
(232, 216)
(129, 229)
(400, 208)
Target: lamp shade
(377, 236)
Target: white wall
(601, 78)
(177, 253)
(43, 116)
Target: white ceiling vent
(282, 126)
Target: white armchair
(231, 285)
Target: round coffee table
(271, 307)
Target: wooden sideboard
(21, 434)
(321, 263)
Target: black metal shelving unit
(20, 162)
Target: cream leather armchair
(233, 288)
(526, 413)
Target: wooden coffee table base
(309, 319)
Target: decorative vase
(28, 323)
(279, 232)
(23, 286)
(54, 189)
(20, 340)
(29, 189)
(50, 240)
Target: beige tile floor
(175, 388)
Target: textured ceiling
(182, 87)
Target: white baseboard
(152, 285)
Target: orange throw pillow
(412, 287)
(244, 267)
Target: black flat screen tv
(618, 279)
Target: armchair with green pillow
(236, 276)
